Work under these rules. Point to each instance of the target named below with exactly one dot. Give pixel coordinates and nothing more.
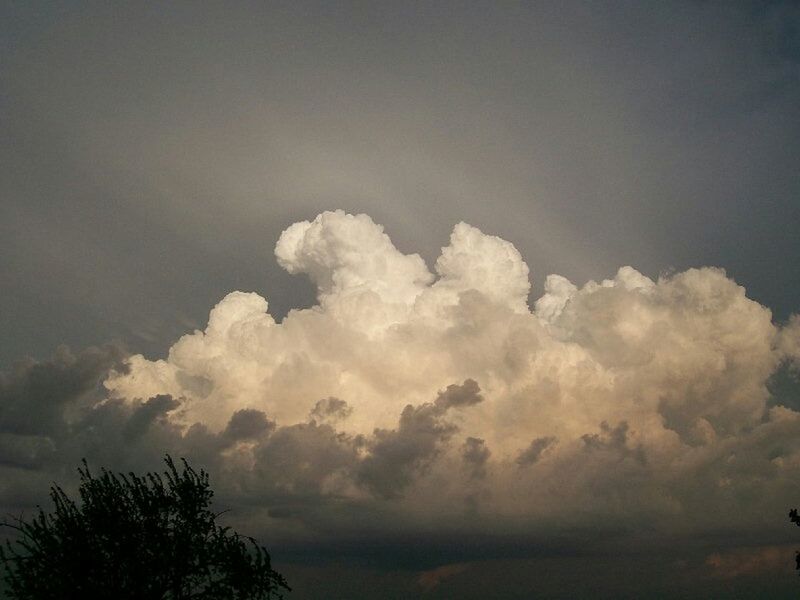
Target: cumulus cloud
(440, 400)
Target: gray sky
(151, 155)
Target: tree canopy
(140, 537)
(795, 518)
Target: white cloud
(645, 391)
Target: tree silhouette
(136, 537)
(795, 518)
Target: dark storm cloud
(457, 396)
(296, 459)
(612, 439)
(146, 414)
(534, 452)
(397, 456)
(247, 423)
(54, 413)
(330, 409)
(34, 396)
(475, 454)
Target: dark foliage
(795, 518)
(136, 537)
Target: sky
(451, 299)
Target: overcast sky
(152, 155)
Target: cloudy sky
(452, 300)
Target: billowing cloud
(438, 401)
